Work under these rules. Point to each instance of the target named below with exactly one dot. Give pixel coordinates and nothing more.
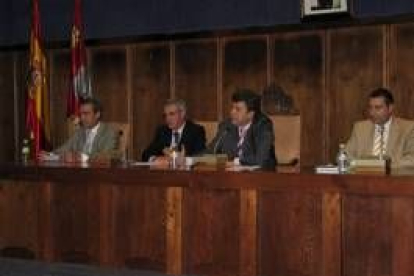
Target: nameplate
(211, 159)
(368, 165)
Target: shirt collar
(95, 128)
(386, 125)
(180, 129)
(243, 129)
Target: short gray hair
(179, 103)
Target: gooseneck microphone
(220, 139)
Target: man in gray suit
(93, 140)
(247, 137)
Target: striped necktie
(242, 134)
(379, 145)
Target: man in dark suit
(178, 132)
(247, 136)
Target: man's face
(378, 110)
(239, 114)
(88, 117)
(174, 117)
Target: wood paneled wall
(328, 72)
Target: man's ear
(98, 115)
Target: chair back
(211, 128)
(123, 130)
(287, 130)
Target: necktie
(242, 134)
(176, 139)
(379, 145)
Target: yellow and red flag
(80, 86)
(37, 110)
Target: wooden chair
(287, 130)
(123, 130)
(210, 127)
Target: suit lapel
(184, 135)
(168, 137)
(369, 143)
(393, 133)
(96, 139)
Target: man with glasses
(383, 134)
(177, 132)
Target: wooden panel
(245, 66)
(403, 236)
(212, 230)
(290, 234)
(402, 66)
(298, 68)
(19, 220)
(332, 234)
(367, 240)
(173, 230)
(355, 69)
(75, 218)
(7, 126)
(59, 89)
(109, 82)
(140, 240)
(22, 61)
(248, 233)
(196, 78)
(151, 87)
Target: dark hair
(251, 99)
(383, 93)
(96, 104)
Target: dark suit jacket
(193, 139)
(258, 147)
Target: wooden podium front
(209, 222)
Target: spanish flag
(37, 110)
(80, 86)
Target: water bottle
(342, 160)
(25, 151)
(174, 158)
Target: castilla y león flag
(80, 86)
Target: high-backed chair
(210, 127)
(287, 130)
(123, 130)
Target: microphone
(220, 139)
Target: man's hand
(71, 157)
(167, 152)
(161, 161)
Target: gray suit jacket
(400, 144)
(258, 146)
(105, 142)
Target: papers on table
(241, 168)
(141, 164)
(50, 156)
(327, 169)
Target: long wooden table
(209, 222)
